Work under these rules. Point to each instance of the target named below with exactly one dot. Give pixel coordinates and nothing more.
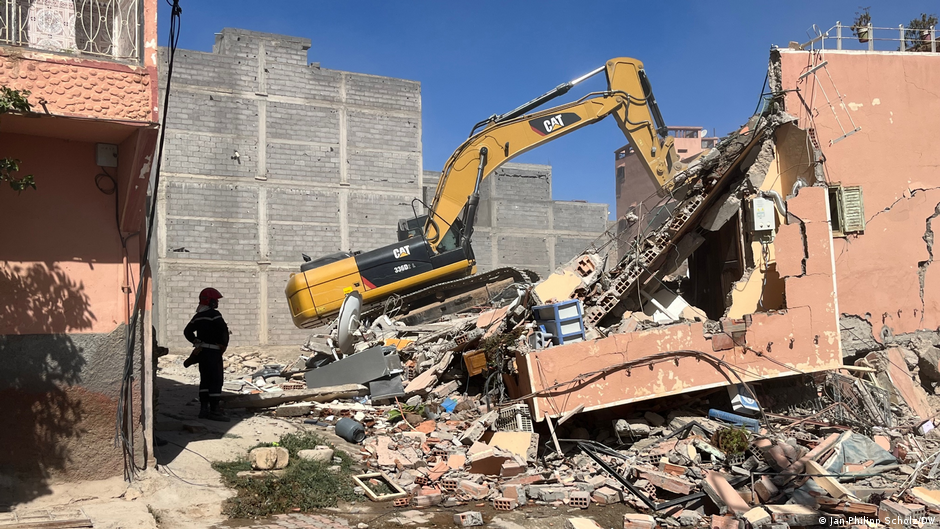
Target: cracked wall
(886, 275)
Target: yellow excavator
(433, 255)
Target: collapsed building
(799, 318)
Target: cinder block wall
(518, 224)
(267, 157)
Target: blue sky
(706, 60)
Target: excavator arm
(428, 264)
(628, 97)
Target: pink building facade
(71, 249)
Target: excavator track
(401, 304)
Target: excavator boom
(629, 98)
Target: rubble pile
(245, 363)
(846, 453)
(440, 418)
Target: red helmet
(208, 295)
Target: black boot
(204, 410)
(215, 411)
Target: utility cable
(125, 413)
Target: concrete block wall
(267, 157)
(518, 224)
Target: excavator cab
(408, 228)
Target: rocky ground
(184, 492)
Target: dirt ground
(184, 492)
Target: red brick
(505, 504)
(638, 521)
(725, 522)
(474, 490)
(606, 495)
(580, 499)
(666, 481)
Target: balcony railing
(871, 38)
(99, 28)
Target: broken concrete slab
(796, 515)
(638, 521)
(517, 443)
(582, 523)
(723, 494)
(831, 485)
(272, 399)
(421, 384)
(930, 498)
(757, 517)
(359, 368)
(298, 409)
(912, 394)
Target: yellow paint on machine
(317, 294)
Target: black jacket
(207, 327)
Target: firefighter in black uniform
(208, 333)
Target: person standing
(208, 333)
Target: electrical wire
(124, 429)
(172, 473)
(651, 361)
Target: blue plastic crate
(562, 310)
(562, 321)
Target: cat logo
(547, 125)
(401, 252)
(554, 122)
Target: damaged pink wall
(885, 275)
(803, 338)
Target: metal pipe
(559, 90)
(474, 201)
(661, 128)
(590, 74)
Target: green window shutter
(853, 208)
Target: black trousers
(211, 376)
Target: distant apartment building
(636, 192)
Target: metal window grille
(100, 28)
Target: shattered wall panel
(802, 338)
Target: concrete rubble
(457, 428)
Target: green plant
(732, 440)
(306, 485)
(861, 22)
(917, 35)
(9, 166)
(14, 101)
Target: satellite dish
(348, 321)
